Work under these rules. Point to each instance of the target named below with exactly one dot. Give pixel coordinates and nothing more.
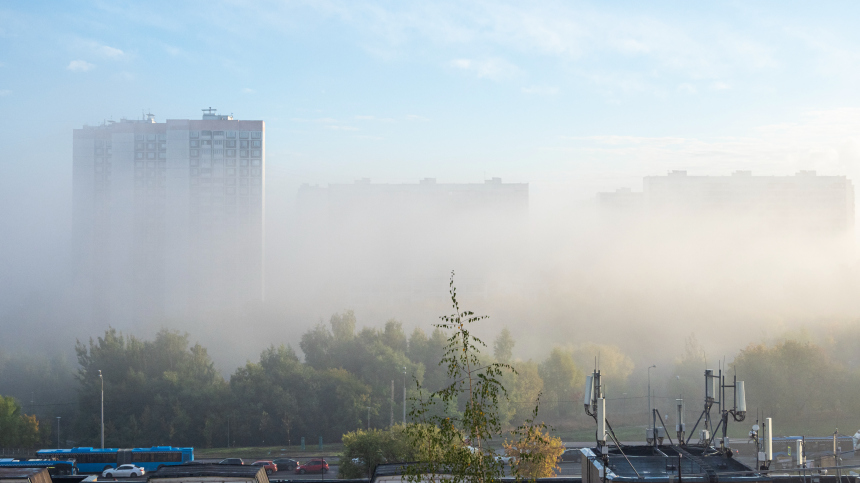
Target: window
(150, 155)
(243, 190)
(195, 143)
(218, 133)
(256, 162)
(206, 134)
(138, 164)
(195, 162)
(243, 144)
(231, 181)
(243, 153)
(162, 155)
(231, 143)
(243, 134)
(257, 135)
(138, 155)
(243, 172)
(243, 181)
(138, 137)
(100, 150)
(218, 142)
(139, 146)
(231, 190)
(162, 136)
(231, 171)
(162, 146)
(195, 153)
(256, 153)
(231, 153)
(230, 162)
(257, 144)
(150, 164)
(243, 162)
(206, 142)
(255, 171)
(150, 137)
(150, 146)
(231, 134)
(194, 134)
(194, 172)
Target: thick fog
(573, 100)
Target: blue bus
(96, 460)
(55, 467)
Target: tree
(16, 429)
(503, 346)
(363, 450)
(535, 453)
(457, 447)
(561, 379)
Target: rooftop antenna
(210, 110)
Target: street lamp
(404, 395)
(58, 432)
(102, 379)
(650, 424)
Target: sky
(573, 98)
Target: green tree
(561, 379)
(17, 429)
(457, 448)
(363, 450)
(503, 347)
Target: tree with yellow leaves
(534, 454)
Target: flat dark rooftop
(696, 463)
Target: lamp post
(102, 379)
(58, 432)
(404, 395)
(650, 425)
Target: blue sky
(573, 97)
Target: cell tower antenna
(210, 110)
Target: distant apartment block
(803, 203)
(169, 216)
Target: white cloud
(80, 66)
(110, 52)
(720, 86)
(540, 90)
(495, 69)
(247, 90)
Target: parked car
(231, 461)
(286, 464)
(270, 466)
(313, 466)
(123, 471)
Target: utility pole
(102, 379)
(368, 418)
(391, 421)
(404, 395)
(650, 412)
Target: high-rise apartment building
(169, 217)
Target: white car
(123, 471)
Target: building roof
(204, 470)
